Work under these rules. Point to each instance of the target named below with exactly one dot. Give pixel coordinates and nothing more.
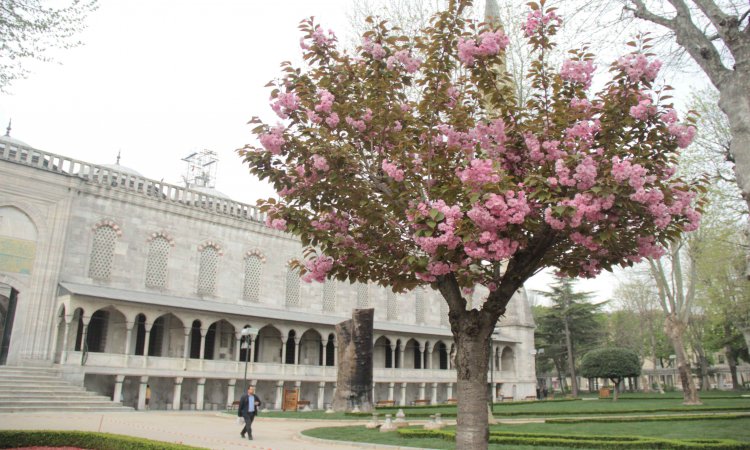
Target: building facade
(139, 288)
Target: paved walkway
(201, 429)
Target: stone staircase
(36, 389)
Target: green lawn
(737, 429)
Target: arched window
(444, 313)
(419, 312)
(158, 256)
(391, 306)
(103, 250)
(329, 296)
(209, 267)
(363, 296)
(292, 286)
(253, 265)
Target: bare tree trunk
(472, 429)
(675, 330)
(571, 360)
(657, 377)
(732, 362)
(703, 361)
(616, 382)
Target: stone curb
(358, 444)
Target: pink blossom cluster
(320, 162)
(643, 110)
(585, 206)
(373, 48)
(480, 172)
(584, 241)
(491, 247)
(331, 221)
(272, 221)
(490, 43)
(624, 170)
(585, 175)
(325, 104)
(323, 38)
(317, 269)
(638, 67)
(285, 103)
(536, 21)
(358, 125)
(647, 248)
(392, 171)
(590, 268)
(274, 140)
(403, 57)
(584, 131)
(498, 211)
(580, 104)
(444, 234)
(577, 71)
(683, 133)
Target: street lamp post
(249, 334)
(495, 333)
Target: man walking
(249, 404)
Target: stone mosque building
(129, 285)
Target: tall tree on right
(572, 319)
(717, 36)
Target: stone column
(493, 386)
(186, 351)
(390, 391)
(421, 356)
(401, 350)
(142, 394)
(203, 346)
(237, 347)
(421, 391)
(176, 396)
(279, 395)
(402, 402)
(64, 354)
(428, 364)
(230, 391)
(200, 394)
(252, 350)
(296, 350)
(321, 394)
(117, 396)
(52, 351)
(146, 343)
(449, 390)
(393, 355)
(86, 320)
(325, 354)
(128, 337)
(283, 349)
(433, 399)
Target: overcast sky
(159, 80)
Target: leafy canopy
(454, 179)
(614, 363)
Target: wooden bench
(530, 398)
(421, 401)
(452, 401)
(302, 403)
(235, 405)
(506, 398)
(384, 403)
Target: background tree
(458, 187)
(637, 294)
(571, 325)
(29, 29)
(613, 363)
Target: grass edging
(82, 439)
(669, 418)
(585, 441)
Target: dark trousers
(249, 417)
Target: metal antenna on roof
(7, 130)
(118, 157)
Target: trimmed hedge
(82, 439)
(651, 418)
(585, 441)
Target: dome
(209, 191)
(121, 169)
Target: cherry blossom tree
(457, 185)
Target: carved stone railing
(112, 178)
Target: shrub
(82, 439)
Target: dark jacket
(242, 410)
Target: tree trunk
(703, 362)
(657, 377)
(472, 426)
(734, 100)
(571, 360)
(675, 330)
(732, 362)
(616, 382)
